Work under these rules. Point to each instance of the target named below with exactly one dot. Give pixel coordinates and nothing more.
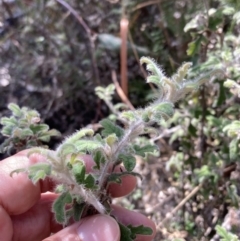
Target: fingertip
(94, 228)
(127, 185)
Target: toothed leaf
(111, 139)
(39, 171)
(125, 233)
(110, 128)
(142, 150)
(78, 210)
(79, 134)
(142, 230)
(233, 149)
(129, 161)
(79, 171)
(99, 159)
(87, 145)
(89, 181)
(15, 109)
(59, 207)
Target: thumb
(94, 228)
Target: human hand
(25, 208)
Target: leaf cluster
(23, 129)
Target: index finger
(18, 193)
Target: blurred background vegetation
(53, 53)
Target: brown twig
(120, 91)
(89, 36)
(123, 34)
(190, 195)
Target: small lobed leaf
(79, 134)
(126, 234)
(15, 109)
(115, 178)
(66, 149)
(36, 176)
(165, 109)
(39, 171)
(154, 79)
(98, 158)
(153, 67)
(54, 132)
(111, 139)
(129, 161)
(59, 207)
(42, 127)
(142, 150)
(9, 121)
(79, 171)
(182, 72)
(26, 132)
(129, 115)
(88, 145)
(78, 209)
(142, 230)
(110, 128)
(89, 181)
(233, 149)
(44, 137)
(7, 130)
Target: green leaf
(79, 171)
(39, 171)
(54, 132)
(44, 137)
(233, 149)
(142, 150)
(142, 230)
(225, 235)
(129, 161)
(110, 128)
(192, 130)
(78, 135)
(88, 145)
(111, 139)
(9, 121)
(89, 181)
(59, 207)
(115, 178)
(36, 176)
(153, 67)
(194, 46)
(154, 79)
(125, 233)
(165, 109)
(99, 159)
(66, 148)
(26, 132)
(129, 115)
(221, 96)
(78, 210)
(39, 128)
(41, 166)
(7, 130)
(15, 109)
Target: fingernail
(99, 228)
